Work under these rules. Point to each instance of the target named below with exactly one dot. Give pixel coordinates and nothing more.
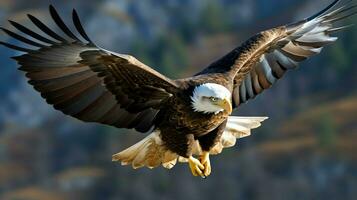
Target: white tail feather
(150, 152)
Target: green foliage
(174, 58)
(213, 18)
(168, 55)
(188, 30)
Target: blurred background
(306, 150)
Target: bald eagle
(187, 119)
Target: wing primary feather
(61, 24)
(334, 30)
(340, 18)
(31, 33)
(45, 29)
(79, 27)
(323, 11)
(318, 16)
(11, 46)
(21, 38)
(338, 10)
(341, 10)
(286, 46)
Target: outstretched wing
(87, 82)
(264, 58)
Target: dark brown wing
(87, 82)
(263, 59)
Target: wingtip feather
(14, 47)
(51, 8)
(324, 10)
(60, 23)
(79, 27)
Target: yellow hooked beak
(226, 105)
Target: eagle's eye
(213, 99)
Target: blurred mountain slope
(326, 127)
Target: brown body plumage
(95, 85)
(189, 125)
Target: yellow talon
(196, 167)
(204, 158)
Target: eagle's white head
(211, 98)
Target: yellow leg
(196, 167)
(204, 158)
